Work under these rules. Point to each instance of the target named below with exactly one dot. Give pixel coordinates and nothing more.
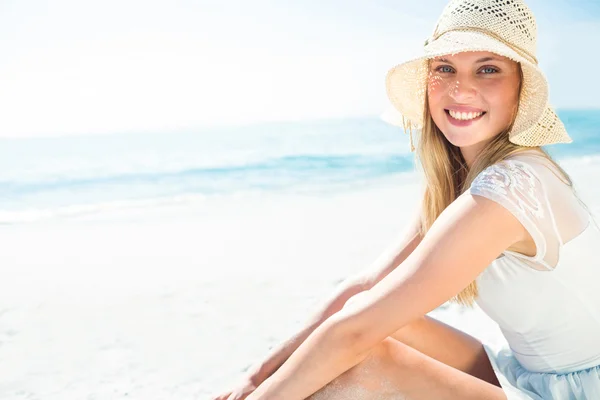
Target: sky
(73, 67)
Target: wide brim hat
(505, 28)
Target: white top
(547, 306)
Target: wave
(304, 166)
(72, 196)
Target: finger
(242, 395)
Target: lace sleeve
(516, 186)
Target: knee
(385, 347)
(408, 333)
(376, 358)
(400, 355)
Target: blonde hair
(447, 174)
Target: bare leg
(364, 381)
(394, 371)
(448, 345)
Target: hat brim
(406, 84)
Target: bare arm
(393, 256)
(457, 248)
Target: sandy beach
(177, 301)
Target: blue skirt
(521, 384)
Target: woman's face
(472, 96)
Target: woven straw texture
(503, 27)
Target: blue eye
(489, 68)
(439, 69)
(486, 70)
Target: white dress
(547, 306)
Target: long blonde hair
(447, 174)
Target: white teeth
(464, 116)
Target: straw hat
(503, 27)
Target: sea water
(61, 176)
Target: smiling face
(473, 96)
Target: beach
(161, 266)
(184, 185)
(177, 301)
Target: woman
(498, 226)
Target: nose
(462, 89)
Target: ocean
(62, 176)
(260, 224)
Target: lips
(466, 109)
(465, 115)
(460, 122)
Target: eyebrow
(484, 59)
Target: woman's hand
(242, 390)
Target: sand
(177, 301)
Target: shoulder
(526, 187)
(505, 175)
(528, 168)
(515, 184)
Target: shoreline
(176, 302)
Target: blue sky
(81, 67)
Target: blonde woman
(500, 225)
